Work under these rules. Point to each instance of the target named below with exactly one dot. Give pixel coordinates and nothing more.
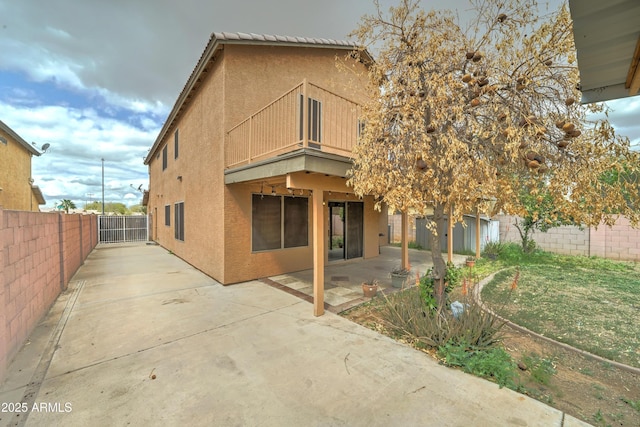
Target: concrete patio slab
(141, 338)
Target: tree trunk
(439, 266)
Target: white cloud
(72, 167)
(136, 56)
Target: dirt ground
(590, 390)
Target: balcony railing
(307, 116)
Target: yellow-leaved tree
(467, 117)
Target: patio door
(346, 229)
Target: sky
(96, 79)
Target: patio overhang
(607, 39)
(302, 160)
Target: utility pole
(103, 186)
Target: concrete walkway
(142, 338)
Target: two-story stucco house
(17, 191)
(251, 163)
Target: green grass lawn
(590, 303)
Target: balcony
(307, 116)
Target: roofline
(18, 138)
(38, 194)
(216, 43)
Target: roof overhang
(216, 44)
(38, 194)
(607, 38)
(302, 160)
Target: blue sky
(96, 79)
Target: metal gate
(122, 228)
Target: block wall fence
(39, 253)
(619, 242)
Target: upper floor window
(315, 120)
(175, 145)
(314, 115)
(361, 127)
(164, 158)
(167, 215)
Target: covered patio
(343, 279)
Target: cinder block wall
(620, 241)
(39, 253)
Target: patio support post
(318, 252)
(477, 232)
(404, 243)
(450, 235)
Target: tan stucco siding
(15, 172)
(218, 218)
(241, 263)
(257, 75)
(200, 166)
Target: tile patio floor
(343, 279)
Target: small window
(167, 215)
(179, 221)
(360, 128)
(315, 120)
(314, 126)
(164, 158)
(175, 145)
(3, 140)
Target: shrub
(492, 250)
(407, 314)
(452, 276)
(493, 363)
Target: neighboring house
(251, 162)
(17, 191)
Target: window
(164, 158)
(314, 133)
(315, 124)
(296, 221)
(167, 215)
(360, 128)
(179, 221)
(175, 145)
(279, 222)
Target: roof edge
(18, 139)
(219, 39)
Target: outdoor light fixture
(273, 191)
(179, 178)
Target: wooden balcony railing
(307, 116)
